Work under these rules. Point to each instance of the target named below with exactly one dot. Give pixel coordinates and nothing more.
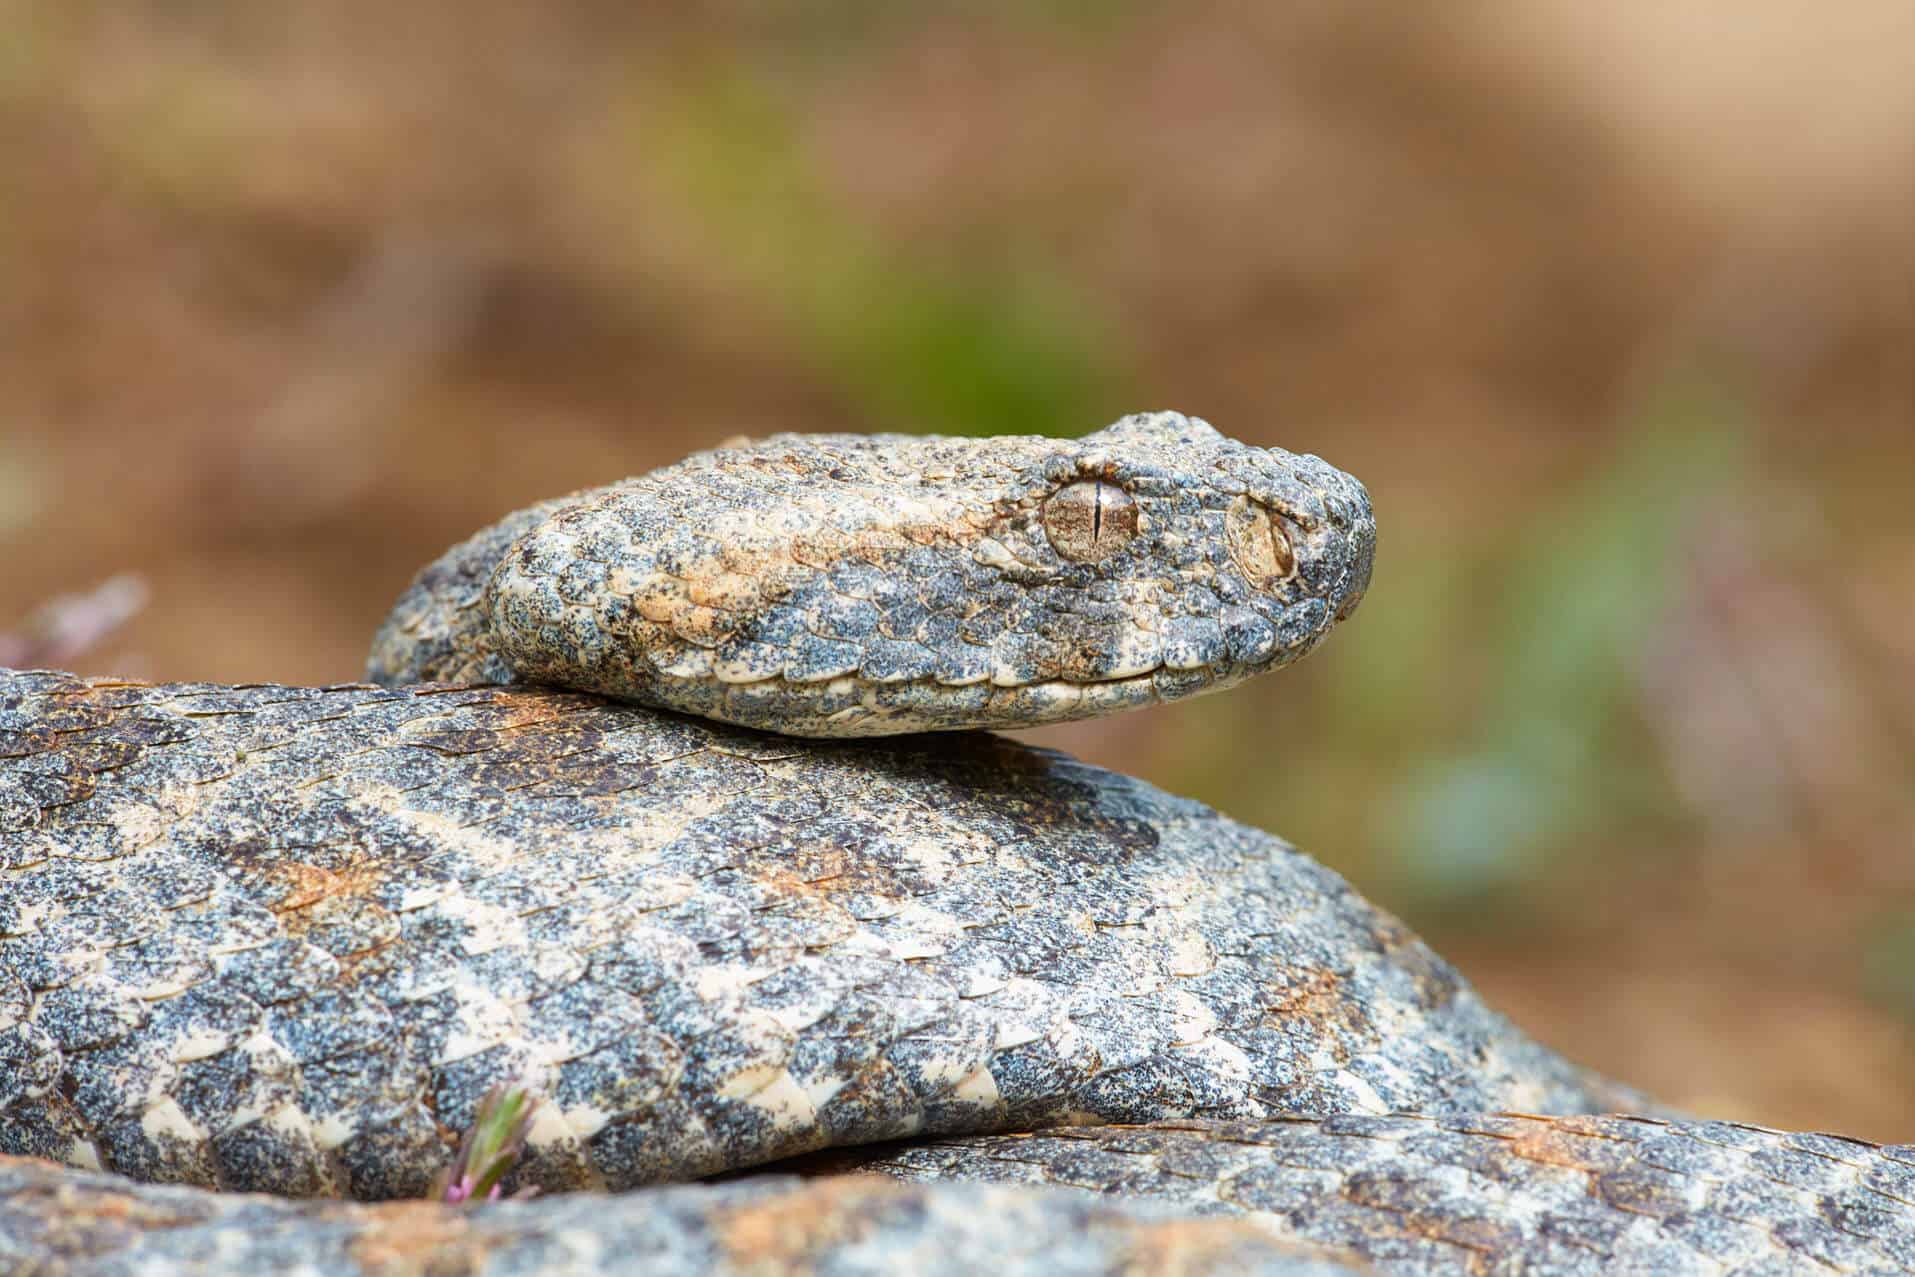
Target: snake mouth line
(953, 684)
(850, 705)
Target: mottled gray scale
(845, 585)
(1469, 1194)
(1491, 1193)
(710, 948)
(771, 1225)
(289, 939)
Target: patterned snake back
(282, 940)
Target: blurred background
(1612, 306)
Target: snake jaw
(836, 585)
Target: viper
(609, 825)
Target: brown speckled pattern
(69, 1224)
(1487, 1193)
(1467, 1195)
(285, 938)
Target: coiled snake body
(283, 940)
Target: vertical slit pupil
(1097, 513)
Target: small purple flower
(491, 1147)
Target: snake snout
(1352, 510)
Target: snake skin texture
(854, 585)
(1471, 1195)
(1487, 1193)
(57, 1223)
(286, 938)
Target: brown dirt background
(1612, 306)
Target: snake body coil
(284, 939)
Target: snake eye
(1259, 543)
(1090, 520)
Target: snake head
(863, 585)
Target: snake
(674, 803)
